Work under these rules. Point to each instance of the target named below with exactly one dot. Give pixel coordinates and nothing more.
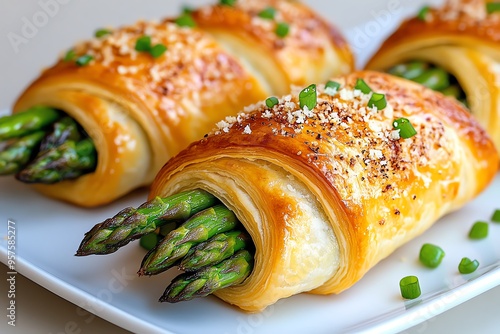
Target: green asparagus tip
(178, 242)
(206, 281)
(130, 224)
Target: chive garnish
(331, 87)
(84, 60)
(479, 230)
(362, 86)
(70, 55)
(185, 20)
(377, 100)
(282, 29)
(308, 97)
(406, 129)
(467, 266)
(267, 13)
(143, 44)
(102, 32)
(431, 255)
(492, 7)
(496, 216)
(158, 50)
(410, 288)
(422, 14)
(271, 101)
(227, 2)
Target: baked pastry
(326, 181)
(145, 91)
(461, 38)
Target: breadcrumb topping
(192, 63)
(344, 137)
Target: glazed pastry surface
(327, 193)
(140, 110)
(463, 38)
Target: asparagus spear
(214, 250)
(434, 78)
(23, 123)
(204, 282)
(410, 70)
(16, 154)
(177, 243)
(67, 161)
(129, 224)
(65, 129)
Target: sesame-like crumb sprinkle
(349, 141)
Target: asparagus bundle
(144, 91)
(41, 145)
(210, 244)
(430, 76)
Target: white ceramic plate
(48, 233)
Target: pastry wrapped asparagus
(105, 118)
(319, 186)
(454, 49)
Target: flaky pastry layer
(462, 38)
(141, 110)
(327, 193)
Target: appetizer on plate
(454, 49)
(105, 118)
(307, 192)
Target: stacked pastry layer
(327, 192)
(461, 37)
(140, 110)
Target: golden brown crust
(341, 169)
(457, 19)
(169, 101)
(307, 47)
(462, 38)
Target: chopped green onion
(492, 7)
(84, 60)
(149, 241)
(406, 130)
(227, 2)
(422, 14)
(496, 216)
(377, 100)
(143, 44)
(271, 101)
(331, 87)
(158, 50)
(466, 266)
(410, 288)
(362, 86)
(185, 20)
(70, 55)
(308, 97)
(431, 255)
(282, 29)
(102, 32)
(267, 13)
(479, 230)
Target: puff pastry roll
(463, 38)
(327, 191)
(141, 108)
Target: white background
(40, 311)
